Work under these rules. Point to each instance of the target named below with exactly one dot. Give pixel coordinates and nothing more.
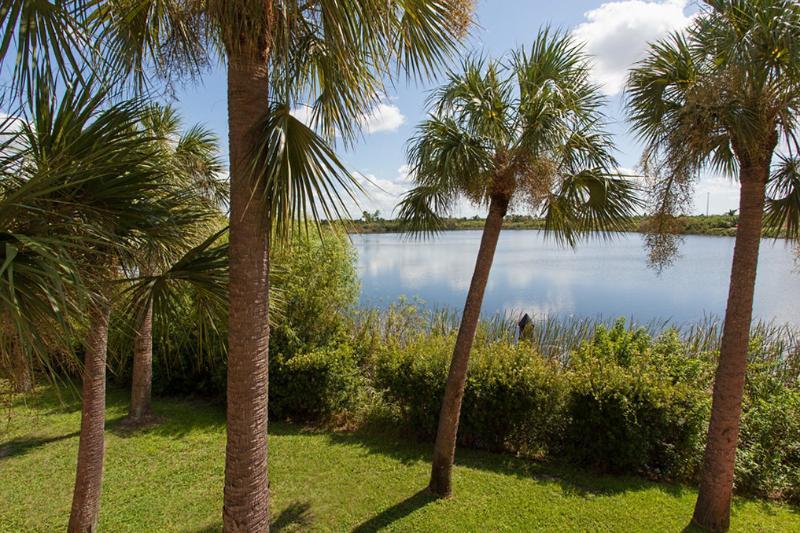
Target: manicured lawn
(169, 478)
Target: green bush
(632, 420)
(413, 376)
(315, 385)
(634, 404)
(315, 289)
(513, 397)
(768, 459)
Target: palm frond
(422, 209)
(783, 205)
(301, 176)
(52, 37)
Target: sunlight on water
(611, 279)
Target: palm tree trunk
(91, 447)
(712, 510)
(142, 382)
(21, 375)
(445, 448)
(246, 505)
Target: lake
(598, 279)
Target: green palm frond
(39, 288)
(422, 209)
(204, 268)
(44, 35)
(82, 191)
(301, 176)
(783, 204)
(529, 132)
(197, 157)
(590, 203)
(198, 278)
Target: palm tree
(723, 96)
(155, 298)
(39, 283)
(529, 132)
(333, 55)
(189, 160)
(280, 55)
(86, 178)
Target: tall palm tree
(527, 133)
(279, 54)
(723, 96)
(189, 160)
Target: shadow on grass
(573, 481)
(297, 514)
(171, 418)
(23, 445)
(396, 512)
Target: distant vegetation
(717, 225)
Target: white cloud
(617, 34)
(382, 117)
(404, 174)
(382, 194)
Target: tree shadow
(22, 445)
(573, 480)
(174, 418)
(396, 512)
(693, 528)
(297, 514)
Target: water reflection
(533, 274)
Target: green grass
(169, 478)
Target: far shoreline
(704, 225)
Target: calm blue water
(599, 278)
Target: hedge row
(624, 402)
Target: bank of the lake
(715, 225)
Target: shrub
(513, 398)
(768, 459)
(315, 385)
(413, 376)
(317, 290)
(632, 420)
(634, 404)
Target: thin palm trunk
(142, 382)
(246, 505)
(21, 374)
(712, 510)
(445, 448)
(91, 447)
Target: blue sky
(615, 34)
